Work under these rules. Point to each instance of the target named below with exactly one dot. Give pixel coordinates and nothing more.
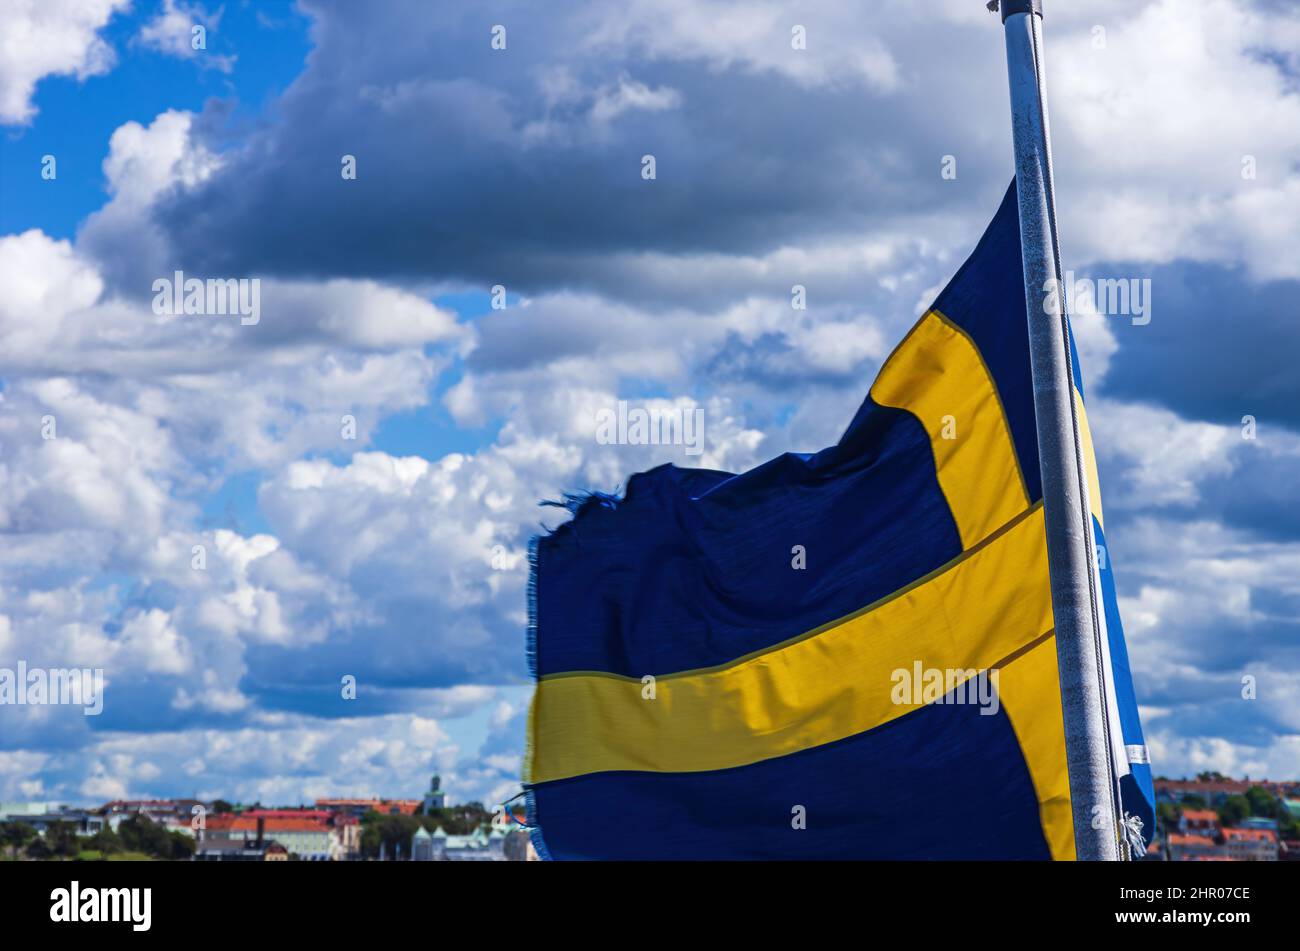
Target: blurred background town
(1207, 819)
(328, 830)
(1216, 819)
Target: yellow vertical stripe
(938, 372)
(1090, 459)
(1029, 689)
(938, 375)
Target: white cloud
(144, 164)
(414, 566)
(172, 32)
(144, 161)
(753, 36)
(1139, 178)
(1164, 458)
(282, 759)
(1178, 756)
(40, 38)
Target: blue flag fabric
(839, 655)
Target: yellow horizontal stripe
(824, 686)
(938, 375)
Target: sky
(231, 517)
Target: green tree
(1233, 810)
(182, 846)
(462, 819)
(1167, 816)
(1262, 802)
(220, 806)
(139, 833)
(15, 836)
(106, 841)
(389, 832)
(1287, 826)
(61, 838)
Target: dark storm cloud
(1260, 498)
(1219, 346)
(483, 165)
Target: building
(310, 839)
(348, 832)
(231, 850)
(175, 815)
(359, 807)
(485, 844)
(1215, 791)
(479, 846)
(1251, 845)
(1199, 822)
(42, 815)
(239, 850)
(317, 815)
(1190, 848)
(345, 828)
(435, 798)
(519, 847)
(8, 809)
(422, 846)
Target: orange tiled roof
(270, 824)
(1200, 815)
(405, 806)
(1258, 835)
(1203, 840)
(287, 813)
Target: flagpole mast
(1065, 490)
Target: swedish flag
(703, 695)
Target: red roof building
(312, 839)
(1187, 848)
(1199, 822)
(320, 815)
(359, 807)
(1251, 845)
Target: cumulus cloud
(1210, 753)
(281, 758)
(747, 159)
(226, 644)
(1120, 122)
(173, 33)
(751, 147)
(40, 38)
(756, 37)
(143, 164)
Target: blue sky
(398, 556)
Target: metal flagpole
(1065, 490)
